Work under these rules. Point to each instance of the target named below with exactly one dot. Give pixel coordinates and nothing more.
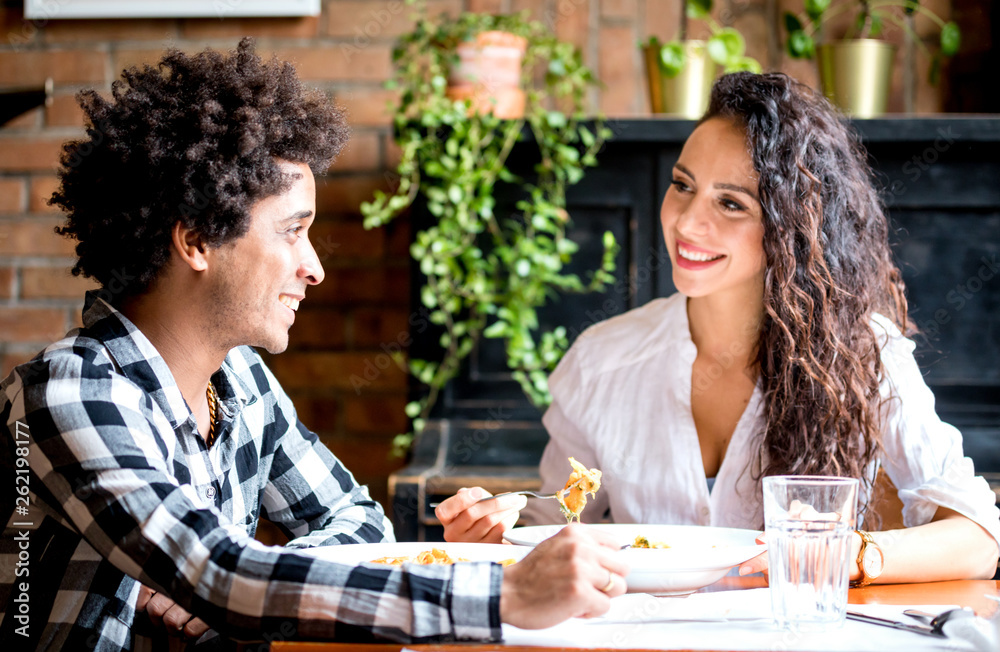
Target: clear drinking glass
(809, 521)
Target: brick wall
(347, 322)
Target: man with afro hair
(143, 447)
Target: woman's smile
(695, 258)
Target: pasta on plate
(426, 557)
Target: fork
(533, 494)
(524, 492)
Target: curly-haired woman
(783, 352)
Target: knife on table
(885, 622)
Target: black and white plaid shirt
(119, 488)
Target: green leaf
(455, 194)
(860, 20)
(398, 203)
(609, 240)
(672, 58)
(496, 329)
(815, 9)
(427, 297)
(412, 409)
(876, 29)
(744, 64)
(792, 23)
(556, 119)
(951, 39)
(801, 45)
(699, 9)
(725, 45)
(523, 268)
(401, 444)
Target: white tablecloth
(741, 620)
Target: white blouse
(622, 403)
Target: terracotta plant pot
(489, 74)
(857, 75)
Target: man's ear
(189, 246)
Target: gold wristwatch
(871, 561)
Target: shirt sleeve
(310, 494)
(566, 439)
(923, 455)
(103, 454)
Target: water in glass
(808, 563)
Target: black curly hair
(193, 140)
(829, 270)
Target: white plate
(355, 553)
(698, 555)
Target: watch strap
(866, 540)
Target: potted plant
(486, 274)
(680, 72)
(856, 71)
(488, 73)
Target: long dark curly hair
(829, 269)
(194, 140)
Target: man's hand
(466, 519)
(165, 613)
(563, 577)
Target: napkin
(730, 620)
(750, 604)
(981, 633)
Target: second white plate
(697, 556)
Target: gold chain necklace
(213, 403)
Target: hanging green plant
(487, 274)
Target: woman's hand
(573, 574)
(759, 563)
(164, 612)
(466, 519)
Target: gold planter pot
(686, 94)
(857, 75)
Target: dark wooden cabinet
(940, 178)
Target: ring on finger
(611, 582)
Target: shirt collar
(139, 361)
